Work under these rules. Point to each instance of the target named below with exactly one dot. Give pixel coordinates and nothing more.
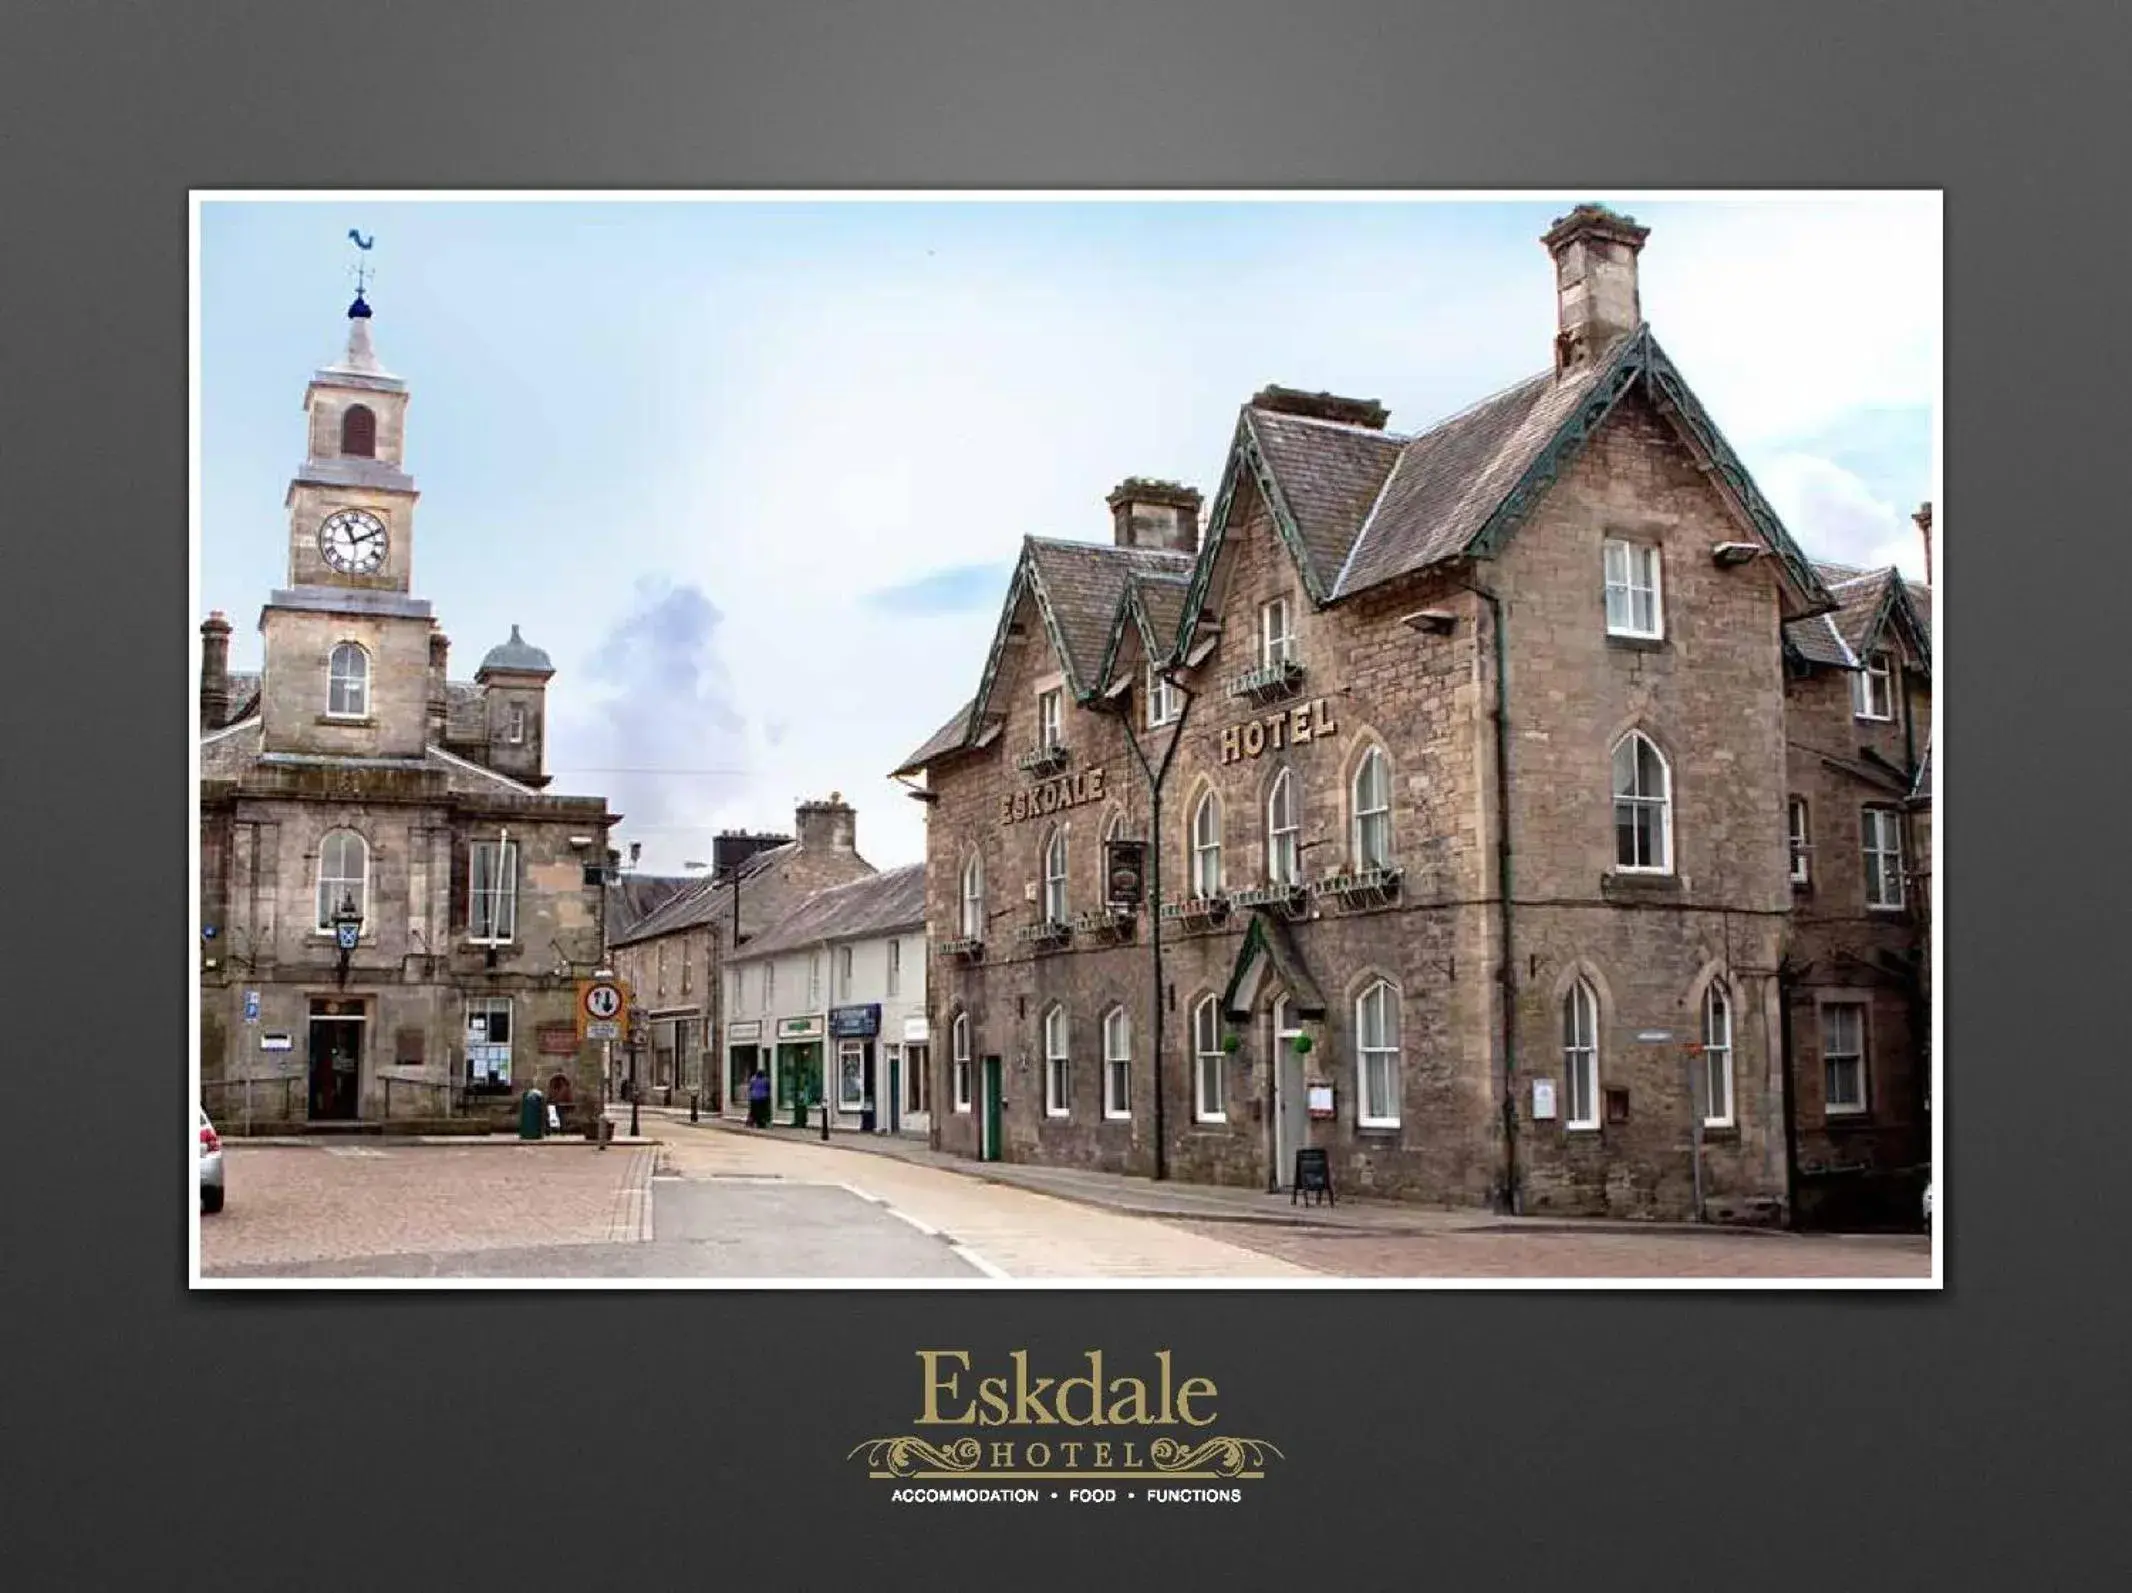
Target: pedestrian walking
(759, 1099)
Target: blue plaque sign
(855, 1023)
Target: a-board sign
(1313, 1176)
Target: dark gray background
(1442, 1439)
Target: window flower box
(1360, 885)
(1276, 679)
(1198, 910)
(967, 948)
(1044, 932)
(1103, 921)
(1286, 897)
(1042, 760)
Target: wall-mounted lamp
(1436, 621)
(1729, 555)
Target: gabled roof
(709, 901)
(1869, 601)
(1152, 605)
(1267, 948)
(243, 696)
(1921, 787)
(944, 740)
(1357, 508)
(632, 898)
(881, 904)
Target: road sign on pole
(601, 1008)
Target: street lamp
(347, 930)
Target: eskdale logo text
(1114, 1412)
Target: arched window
(1580, 1056)
(359, 432)
(1055, 876)
(961, 1033)
(1058, 1096)
(1282, 825)
(1117, 1063)
(973, 898)
(1373, 810)
(348, 682)
(1643, 807)
(1209, 1099)
(1377, 1057)
(343, 876)
(1206, 846)
(1717, 1056)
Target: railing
(1267, 680)
(1042, 760)
(272, 1099)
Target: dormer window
(1050, 710)
(1276, 642)
(1162, 702)
(359, 432)
(1633, 601)
(348, 682)
(1873, 689)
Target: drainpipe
(1786, 974)
(1155, 778)
(1510, 1198)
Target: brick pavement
(321, 1202)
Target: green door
(989, 1151)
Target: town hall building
(395, 911)
(1463, 762)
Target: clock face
(353, 540)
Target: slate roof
(880, 904)
(1329, 473)
(1863, 598)
(948, 737)
(243, 696)
(1081, 584)
(519, 654)
(709, 901)
(230, 753)
(634, 897)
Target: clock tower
(347, 644)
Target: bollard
(692, 1107)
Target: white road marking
(925, 1228)
(862, 1194)
(977, 1261)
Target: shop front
(797, 1079)
(857, 1032)
(743, 1055)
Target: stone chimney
(1364, 412)
(1155, 514)
(1596, 302)
(826, 826)
(438, 703)
(214, 671)
(1923, 517)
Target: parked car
(210, 1165)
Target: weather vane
(362, 260)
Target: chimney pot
(214, 671)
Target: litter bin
(532, 1118)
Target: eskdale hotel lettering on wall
(1291, 727)
(1052, 796)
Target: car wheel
(211, 1198)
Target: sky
(754, 473)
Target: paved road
(724, 1203)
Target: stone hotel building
(1490, 755)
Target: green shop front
(743, 1055)
(797, 1079)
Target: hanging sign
(1125, 870)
